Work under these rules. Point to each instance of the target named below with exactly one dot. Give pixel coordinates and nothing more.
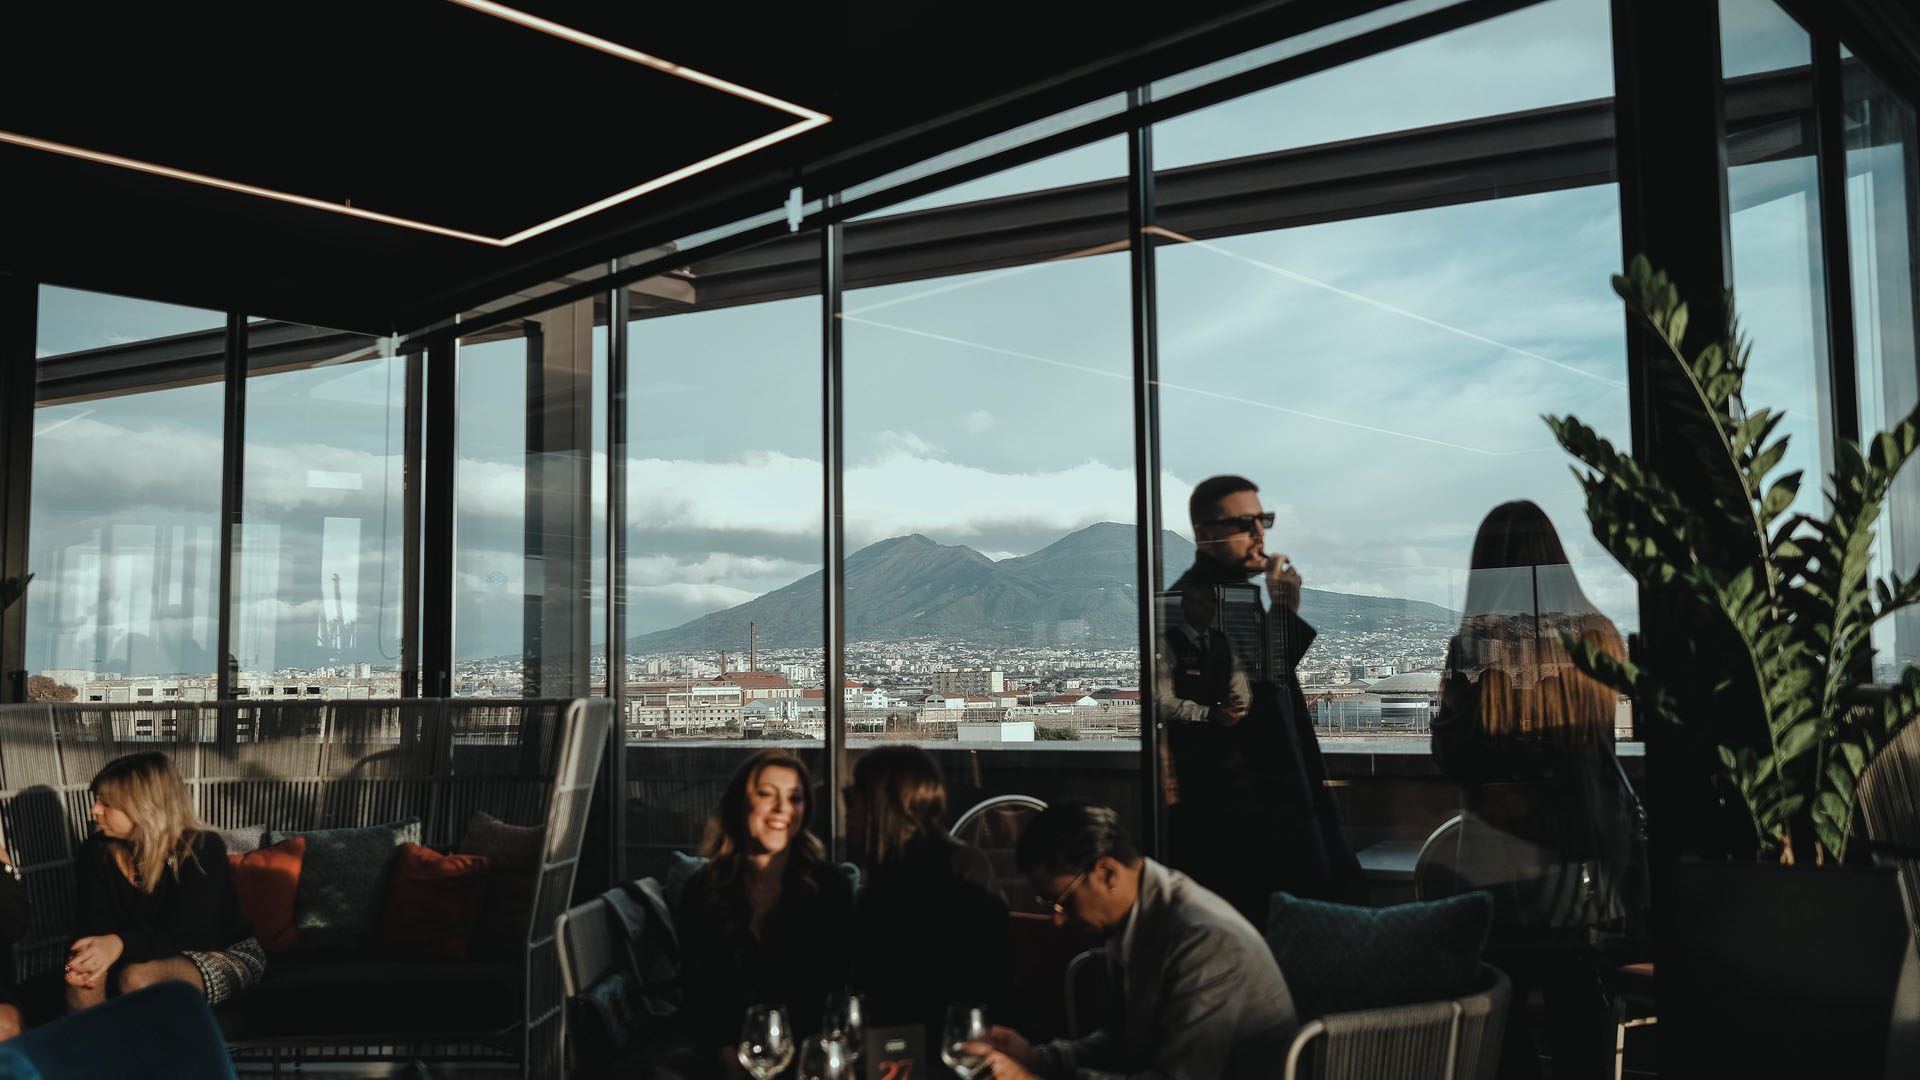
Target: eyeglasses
(1245, 522)
(1058, 904)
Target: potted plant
(1766, 619)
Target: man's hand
(90, 957)
(1013, 1044)
(1004, 1066)
(1283, 582)
(1226, 715)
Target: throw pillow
(343, 882)
(514, 852)
(433, 903)
(267, 881)
(1341, 958)
(604, 1020)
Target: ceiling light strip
(613, 48)
(168, 171)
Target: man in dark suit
(1254, 814)
(1198, 996)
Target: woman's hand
(90, 957)
(1004, 1066)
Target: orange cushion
(266, 881)
(433, 902)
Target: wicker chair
(1437, 1040)
(320, 766)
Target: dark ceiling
(438, 113)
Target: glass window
(724, 537)
(124, 541)
(319, 565)
(1883, 157)
(523, 506)
(1553, 53)
(1773, 197)
(991, 570)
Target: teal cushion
(343, 882)
(680, 869)
(1340, 958)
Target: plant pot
(1787, 971)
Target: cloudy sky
(1382, 379)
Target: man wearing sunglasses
(1254, 814)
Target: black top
(929, 933)
(725, 969)
(198, 911)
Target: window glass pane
(1369, 328)
(523, 506)
(318, 569)
(1774, 202)
(991, 573)
(724, 614)
(1883, 157)
(1549, 54)
(126, 507)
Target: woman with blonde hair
(156, 897)
(929, 930)
(765, 920)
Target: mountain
(1079, 590)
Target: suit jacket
(1200, 997)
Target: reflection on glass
(523, 506)
(1778, 279)
(318, 566)
(1882, 144)
(126, 504)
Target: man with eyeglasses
(1253, 813)
(1196, 994)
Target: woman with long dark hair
(156, 893)
(929, 930)
(1548, 819)
(765, 921)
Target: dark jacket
(930, 932)
(1202, 998)
(13, 927)
(1262, 778)
(197, 910)
(725, 969)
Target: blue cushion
(1341, 958)
(343, 882)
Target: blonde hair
(146, 788)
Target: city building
(977, 681)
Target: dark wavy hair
(728, 845)
(905, 798)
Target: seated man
(1199, 996)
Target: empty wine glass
(960, 1042)
(825, 1058)
(766, 1041)
(845, 1020)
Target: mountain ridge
(1078, 590)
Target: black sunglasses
(1245, 522)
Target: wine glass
(825, 1058)
(766, 1041)
(966, 1025)
(845, 1019)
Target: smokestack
(753, 646)
(723, 663)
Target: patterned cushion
(513, 851)
(1340, 958)
(343, 882)
(242, 839)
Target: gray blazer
(1203, 999)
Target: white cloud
(978, 421)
